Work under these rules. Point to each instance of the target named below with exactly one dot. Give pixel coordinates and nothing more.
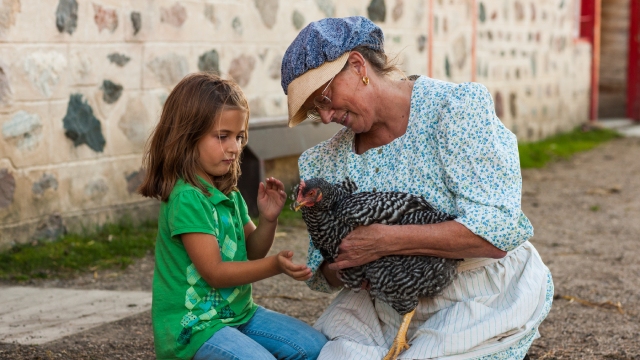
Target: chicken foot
(400, 342)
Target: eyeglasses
(321, 102)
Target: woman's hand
(271, 198)
(297, 272)
(363, 245)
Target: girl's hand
(271, 198)
(298, 272)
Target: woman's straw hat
(318, 53)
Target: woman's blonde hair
(188, 114)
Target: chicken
(332, 211)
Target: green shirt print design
(186, 311)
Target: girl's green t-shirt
(186, 311)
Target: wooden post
(474, 39)
(633, 66)
(430, 39)
(590, 12)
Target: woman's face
(348, 101)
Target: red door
(633, 79)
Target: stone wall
(82, 83)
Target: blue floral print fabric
(455, 152)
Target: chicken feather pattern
(398, 280)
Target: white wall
(523, 51)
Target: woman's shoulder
(426, 87)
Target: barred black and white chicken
(332, 211)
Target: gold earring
(365, 80)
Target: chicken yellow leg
(400, 342)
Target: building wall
(614, 56)
(82, 83)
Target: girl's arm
(449, 239)
(259, 238)
(204, 252)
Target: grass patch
(538, 154)
(111, 246)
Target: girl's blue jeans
(268, 335)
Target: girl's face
(221, 146)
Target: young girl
(208, 251)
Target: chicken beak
(298, 205)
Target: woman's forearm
(448, 240)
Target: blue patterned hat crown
(325, 40)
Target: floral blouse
(455, 152)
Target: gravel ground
(585, 212)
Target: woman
(436, 139)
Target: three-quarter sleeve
(479, 156)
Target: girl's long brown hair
(189, 113)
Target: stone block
(7, 187)
(130, 125)
(37, 71)
(62, 148)
(86, 186)
(127, 175)
(26, 134)
(255, 67)
(28, 206)
(267, 22)
(14, 204)
(164, 65)
(100, 22)
(91, 64)
(31, 22)
(41, 194)
(98, 186)
(243, 22)
(171, 21)
(52, 22)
